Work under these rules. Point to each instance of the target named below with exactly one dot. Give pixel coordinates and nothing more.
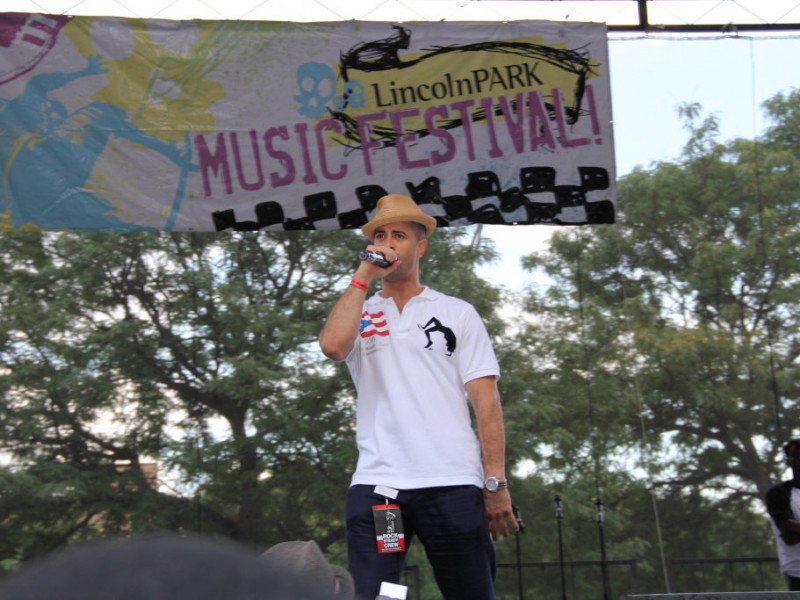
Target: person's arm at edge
(790, 531)
(485, 399)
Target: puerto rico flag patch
(373, 324)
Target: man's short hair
(422, 233)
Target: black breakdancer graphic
(435, 325)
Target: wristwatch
(493, 484)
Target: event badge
(389, 528)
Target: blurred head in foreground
(160, 568)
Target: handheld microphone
(518, 518)
(375, 258)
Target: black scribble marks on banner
(537, 199)
(533, 97)
(384, 55)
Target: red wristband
(359, 284)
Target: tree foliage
(666, 349)
(197, 351)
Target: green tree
(666, 349)
(198, 351)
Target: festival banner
(114, 124)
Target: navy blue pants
(450, 524)
(794, 583)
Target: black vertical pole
(603, 565)
(521, 524)
(559, 516)
(519, 570)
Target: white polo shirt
(413, 419)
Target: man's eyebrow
(387, 230)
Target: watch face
(491, 484)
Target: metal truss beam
(644, 25)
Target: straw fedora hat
(395, 208)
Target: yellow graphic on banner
(157, 75)
(451, 85)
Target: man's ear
(421, 247)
